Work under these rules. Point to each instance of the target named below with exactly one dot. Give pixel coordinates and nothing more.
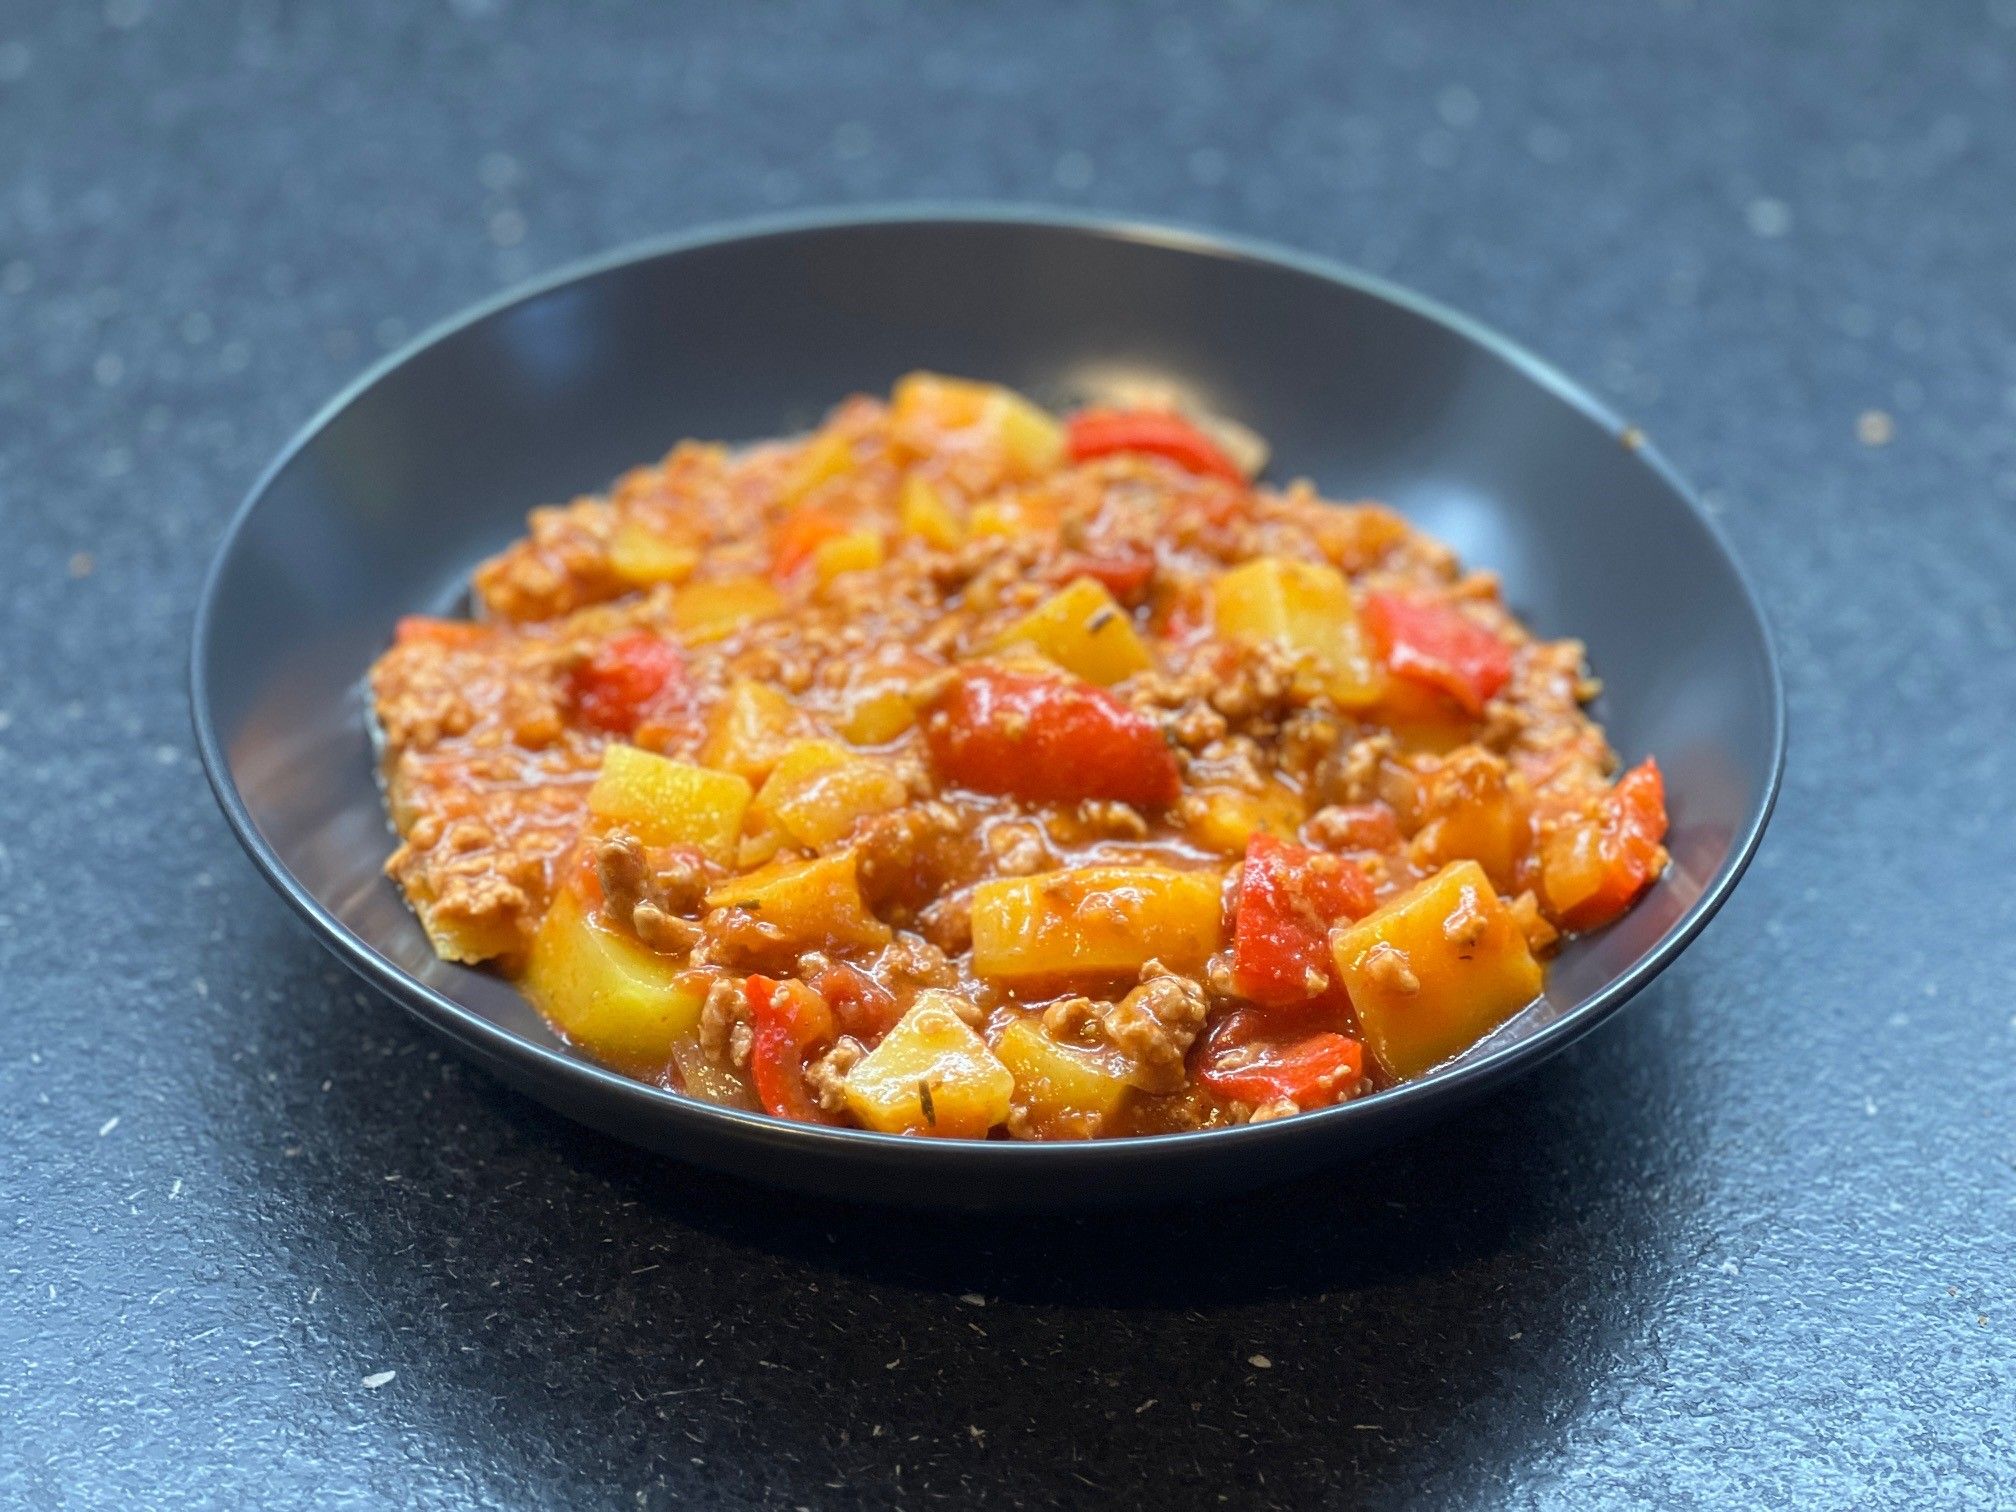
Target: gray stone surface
(265, 1243)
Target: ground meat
(1352, 774)
(826, 1074)
(1155, 1024)
(724, 1023)
(914, 961)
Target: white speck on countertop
(1729, 1268)
(108, 1126)
(1259, 1362)
(380, 1378)
(1769, 218)
(973, 1299)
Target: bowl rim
(537, 1062)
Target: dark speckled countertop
(264, 1242)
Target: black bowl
(389, 497)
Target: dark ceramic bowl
(389, 497)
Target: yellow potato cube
(1227, 818)
(1435, 969)
(813, 904)
(750, 729)
(1030, 438)
(825, 457)
(666, 802)
(819, 790)
(1065, 1090)
(930, 1075)
(879, 716)
(927, 515)
(644, 556)
(1303, 606)
(1095, 920)
(1082, 630)
(608, 994)
(854, 551)
(718, 607)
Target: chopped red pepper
(861, 1006)
(1247, 1059)
(1591, 871)
(629, 679)
(1436, 645)
(1102, 432)
(1123, 573)
(1289, 896)
(1048, 739)
(789, 1020)
(798, 537)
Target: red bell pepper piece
(861, 1006)
(1124, 574)
(1289, 896)
(629, 679)
(1592, 871)
(1247, 1059)
(1436, 645)
(1048, 739)
(789, 1021)
(798, 537)
(1102, 432)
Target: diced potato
(719, 607)
(814, 904)
(1304, 606)
(1011, 516)
(1435, 969)
(1082, 630)
(1030, 437)
(819, 790)
(1472, 805)
(644, 556)
(879, 716)
(750, 729)
(930, 1075)
(1095, 920)
(1064, 1089)
(607, 993)
(825, 457)
(666, 802)
(1227, 818)
(928, 515)
(851, 551)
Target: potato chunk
(930, 1075)
(927, 515)
(606, 992)
(819, 790)
(1065, 1090)
(751, 728)
(666, 802)
(1435, 969)
(1082, 630)
(1095, 920)
(813, 904)
(1306, 607)
(643, 556)
(718, 607)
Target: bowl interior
(389, 500)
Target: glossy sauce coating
(959, 770)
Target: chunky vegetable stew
(962, 770)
